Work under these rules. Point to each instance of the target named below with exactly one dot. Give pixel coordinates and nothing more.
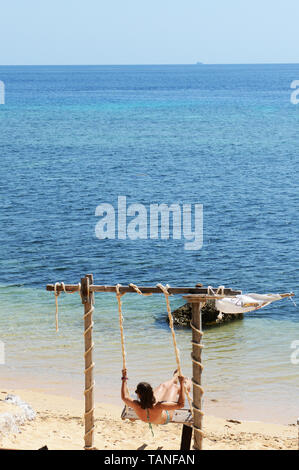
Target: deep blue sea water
(224, 136)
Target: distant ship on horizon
(199, 63)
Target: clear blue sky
(148, 31)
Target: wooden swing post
(197, 302)
(88, 301)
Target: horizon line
(149, 64)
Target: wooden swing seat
(183, 416)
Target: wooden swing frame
(197, 297)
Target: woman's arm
(124, 390)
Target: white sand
(59, 425)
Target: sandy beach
(59, 425)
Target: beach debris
(10, 422)
(29, 413)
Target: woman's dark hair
(146, 395)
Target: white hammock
(245, 302)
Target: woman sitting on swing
(156, 406)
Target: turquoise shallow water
(221, 136)
(248, 372)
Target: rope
(138, 290)
(200, 346)
(121, 327)
(121, 319)
(291, 299)
(171, 326)
(220, 290)
(164, 289)
(57, 295)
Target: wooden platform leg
(186, 437)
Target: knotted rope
(121, 319)
(164, 289)
(220, 290)
(121, 327)
(138, 290)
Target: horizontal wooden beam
(144, 290)
(197, 298)
(194, 298)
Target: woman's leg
(167, 391)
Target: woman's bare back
(156, 414)
(162, 403)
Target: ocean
(224, 136)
